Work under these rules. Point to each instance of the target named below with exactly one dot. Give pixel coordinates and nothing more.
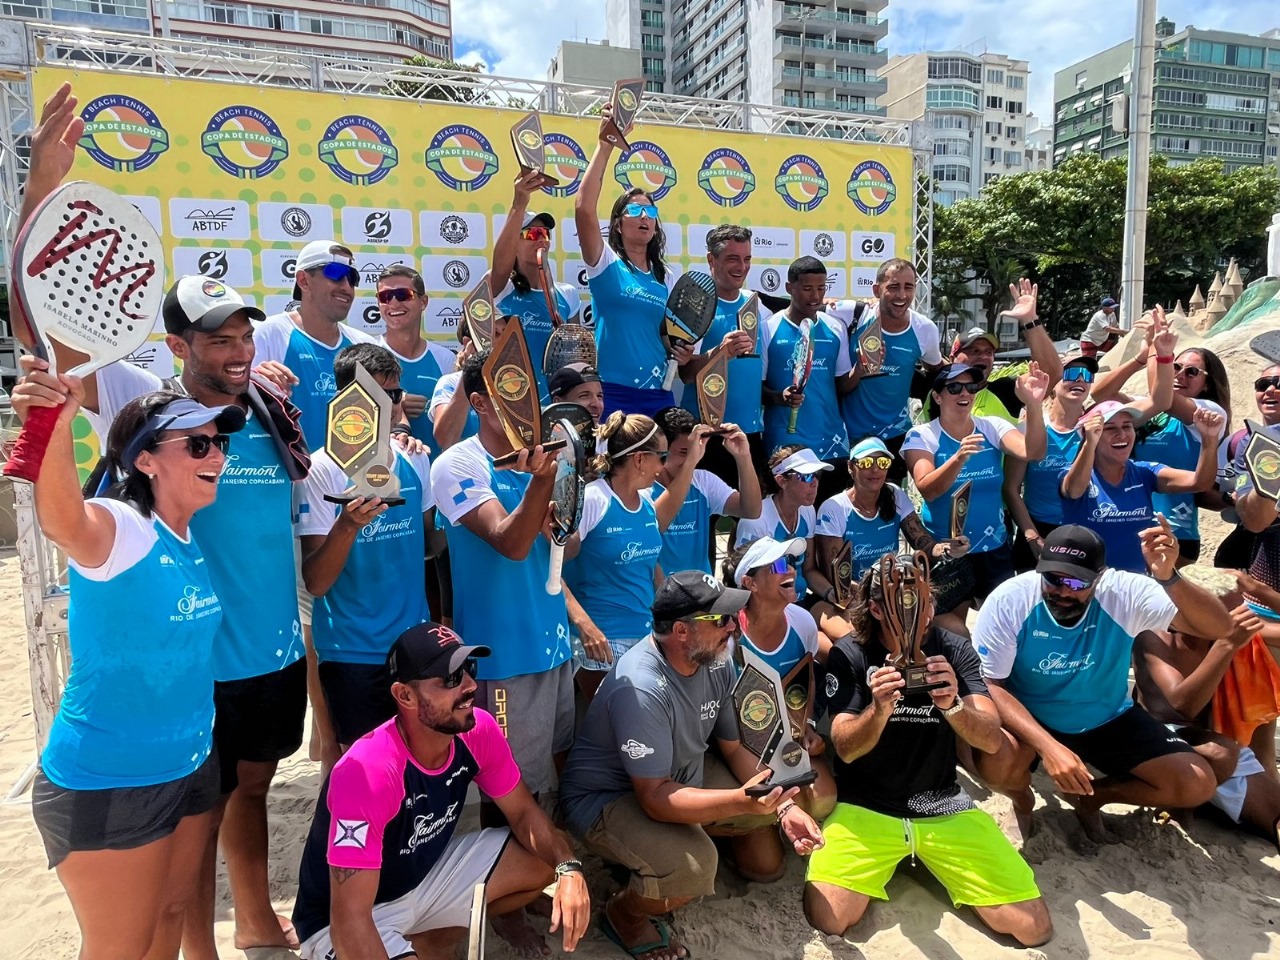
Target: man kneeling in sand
(642, 789)
(897, 788)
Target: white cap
(763, 552)
(319, 252)
(802, 461)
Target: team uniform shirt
(769, 524)
(1177, 444)
(743, 405)
(1042, 486)
(801, 638)
(646, 721)
(444, 391)
(420, 377)
(627, 305)
(137, 708)
(245, 535)
(504, 603)
(1118, 512)
(612, 576)
(999, 398)
(684, 544)
(911, 770)
(278, 338)
(818, 424)
(379, 810)
(1073, 678)
(878, 407)
(872, 537)
(531, 308)
(984, 523)
(380, 592)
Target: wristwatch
(955, 708)
(1031, 325)
(568, 866)
(402, 429)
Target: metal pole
(804, 26)
(1133, 271)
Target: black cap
(1089, 363)
(1073, 551)
(954, 371)
(570, 377)
(690, 591)
(546, 219)
(203, 304)
(428, 650)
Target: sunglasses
(396, 394)
(783, 564)
(640, 210)
(1070, 374)
(719, 619)
(1188, 371)
(1071, 583)
(1266, 383)
(338, 272)
(535, 233)
(802, 477)
(880, 463)
(402, 294)
(955, 389)
(660, 454)
(454, 679)
(199, 444)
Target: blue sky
(1049, 33)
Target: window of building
(653, 86)
(1190, 98)
(651, 43)
(1228, 54)
(950, 173)
(993, 128)
(1081, 77)
(989, 178)
(228, 13)
(950, 97)
(990, 154)
(1227, 101)
(995, 76)
(1014, 106)
(949, 121)
(1013, 133)
(1176, 121)
(1231, 148)
(1016, 82)
(1112, 87)
(1013, 158)
(955, 68)
(1273, 59)
(1173, 144)
(995, 103)
(651, 18)
(949, 147)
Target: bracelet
(402, 429)
(569, 866)
(1031, 325)
(785, 809)
(1160, 359)
(1173, 578)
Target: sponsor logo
(711, 709)
(711, 582)
(371, 316)
(801, 183)
(635, 750)
(461, 157)
(213, 264)
(758, 711)
(244, 142)
(453, 229)
(797, 696)
(646, 167)
(872, 245)
(871, 188)
(635, 550)
(427, 828)
(234, 471)
(456, 274)
(295, 221)
(565, 161)
(770, 279)
(824, 245)
(377, 226)
(210, 220)
(726, 177)
(380, 528)
(357, 150)
(1061, 663)
(212, 288)
(192, 605)
(832, 685)
(791, 754)
(350, 833)
(122, 134)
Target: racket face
(691, 308)
(802, 355)
(90, 274)
(578, 416)
(568, 343)
(566, 491)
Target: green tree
(950, 294)
(416, 86)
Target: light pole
(803, 19)
(1133, 271)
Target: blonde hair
(620, 436)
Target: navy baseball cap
(1108, 302)
(954, 371)
(429, 650)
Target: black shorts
(719, 461)
(118, 818)
(971, 577)
(259, 719)
(990, 569)
(359, 697)
(1023, 558)
(1188, 550)
(1121, 745)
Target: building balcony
(864, 27)
(862, 86)
(703, 32)
(861, 54)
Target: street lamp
(802, 18)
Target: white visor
(763, 552)
(802, 461)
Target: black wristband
(1173, 578)
(1031, 325)
(402, 429)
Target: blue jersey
(497, 589)
(1176, 444)
(420, 377)
(137, 708)
(1075, 678)
(612, 576)
(1118, 512)
(380, 592)
(984, 523)
(801, 638)
(686, 542)
(769, 524)
(1042, 486)
(872, 537)
(531, 308)
(818, 424)
(742, 405)
(278, 338)
(627, 307)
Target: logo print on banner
(214, 265)
(357, 150)
(871, 188)
(801, 182)
(244, 142)
(646, 167)
(377, 225)
(453, 229)
(456, 273)
(122, 134)
(295, 221)
(565, 161)
(824, 245)
(726, 177)
(461, 157)
(770, 279)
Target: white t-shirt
(1096, 331)
(833, 518)
(460, 478)
(446, 387)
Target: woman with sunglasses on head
(516, 281)
(628, 280)
(1237, 549)
(128, 779)
(611, 563)
(956, 448)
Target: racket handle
(554, 585)
(791, 419)
(670, 378)
(33, 441)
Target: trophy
(1262, 460)
(513, 391)
(712, 382)
(766, 725)
(479, 312)
(871, 349)
(907, 596)
(749, 322)
(626, 104)
(960, 509)
(842, 575)
(358, 440)
(531, 153)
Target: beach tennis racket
(475, 929)
(691, 308)
(566, 497)
(88, 280)
(577, 415)
(1267, 345)
(801, 367)
(549, 289)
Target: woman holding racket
(128, 780)
(628, 280)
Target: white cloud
(523, 34)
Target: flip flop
(663, 943)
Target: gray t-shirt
(646, 721)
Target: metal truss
(922, 229)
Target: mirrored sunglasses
(880, 463)
(535, 233)
(338, 272)
(640, 210)
(719, 619)
(802, 477)
(1070, 583)
(454, 679)
(402, 294)
(1070, 374)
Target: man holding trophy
(900, 694)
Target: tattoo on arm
(917, 536)
(343, 874)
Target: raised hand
(53, 144)
(1024, 294)
(735, 441)
(1160, 548)
(526, 185)
(1208, 424)
(1091, 427)
(970, 445)
(1032, 386)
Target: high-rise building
(1216, 94)
(975, 108)
(593, 64)
(820, 55)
